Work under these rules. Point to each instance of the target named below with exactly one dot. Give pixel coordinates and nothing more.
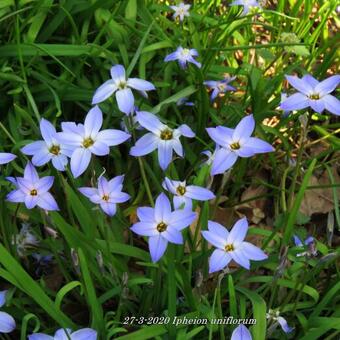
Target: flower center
(314, 96)
(122, 85)
(235, 146)
(185, 52)
(221, 87)
(34, 192)
(87, 142)
(161, 227)
(166, 134)
(55, 150)
(229, 247)
(106, 198)
(180, 190)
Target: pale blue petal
(253, 252)
(145, 228)
(218, 229)
(186, 131)
(177, 146)
(84, 334)
(88, 192)
(118, 73)
(48, 131)
(119, 197)
(162, 208)
(150, 121)
(140, 84)
(173, 235)
(16, 196)
(60, 334)
(3, 294)
(214, 239)
(103, 186)
(170, 185)
(284, 325)
(223, 160)
(44, 184)
(146, 214)
(31, 201)
(297, 241)
(109, 209)
(40, 336)
(310, 80)
(157, 247)
(47, 202)
(239, 257)
(93, 122)
(238, 232)
(164, 154)
(214, 94)
(199, 193)
(317, 105)
(244, 128)
(219, 260)
(332, 104)
(328, 85)
(182, 202)
(241, 333)
(104, 91)
(30, 173)
(7, 323)
(218, 136)
(145, 145)
(210, 83)
(60, 162)
(309, 240)
(33, 148)
(115, 183)
(80, 160)
(181, 219)
(194, 61)
(99, 148)
(301, 85)
(258, 145)
(125, 100)
(41, 157)
(113, 137)
(6, 157)
(172, 56)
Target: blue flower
(231, 246)
(181, 11)
(247, 5)
(33, 190)
(49, 148)
(309, 242)
(6, 157)
(235, 143)
(85, 140)
(274, 316)
(108, 194)
(313, 93)
(162, 225)
(7, 323)
(184, 194)
(220, 86)
(122, 89)
(64, 334)
(184, 56)
(160, 137)
(184, 101)
(241, 333)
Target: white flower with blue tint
(160, 137)
(184, 56)
(247, 5)
(85, 140)
(162, 225)
(184, 194)
(231, 246)
(241, 333)
(235, 143)
(275, 318)
(312, 93)
(309, 242)
(48, 149)
(181, 11)
(7, 323)
(219, 87)
(6, 157)
(33, 190)
(121, 87)
(67, 334)
(108, 194)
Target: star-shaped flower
(108, 194)
(33, 190)
(160, 137)
(235, 143)
(313, 93)
(184, 194)
(6, 157)
(64, 334)
(162, 225)
(184, 56)
(247, 5)
(49, 148)
(85, 140)
(231, 246)
(181, 11)
(274, 317)
(220, 86)
(122, 89)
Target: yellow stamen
(161, 227)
